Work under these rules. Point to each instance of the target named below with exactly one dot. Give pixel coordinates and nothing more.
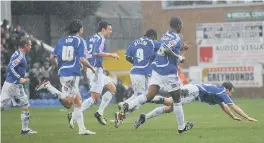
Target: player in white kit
(206, 93)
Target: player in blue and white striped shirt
(141, 53)
(96, 51)
(206, 93)
(69, 52)
(13, 93)
(165, 74)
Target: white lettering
(140, 42)
(227, 48)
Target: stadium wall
(154, 16)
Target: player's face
(229, 92)
(28, 46)
(109, 30)
(81, 31)
(179, 28)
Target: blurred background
(225, 40)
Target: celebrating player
(96, 51)
(69, 52)
(165, 75)
(141, 53)
(13, 93)
(207, 93)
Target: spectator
(46, 70)
(19, 31)
(120, 91)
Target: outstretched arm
(102, 54)
(239, 111)
(226, 109)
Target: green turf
(212, 126)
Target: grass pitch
(212, 126)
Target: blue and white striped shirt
(17, 67)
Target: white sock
(177, 108)
(78, 116)
(128, 99)
(156, 112)
(131, 98)
(105, 101)
(87, 103)
(136, 102)
(53, 90)
(24, 120)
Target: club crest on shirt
(172, 43)
(16, 62)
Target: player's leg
(174, 84)
(163, 99)
(187, 96)
(20, 99)
(168, 101)
(25, 116)
(130, 106)
(155, 83)
(106, 98)
(139, 85)
(77, 114)
(97, 85)
(63, 96)
(87, 103)
(6, 97)
(189, 93)
(154, 113)
(96, 89)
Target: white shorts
(189, 93)
(13, 95)
(99, 80)
(139, 83)
(167, 83)
(70, 85)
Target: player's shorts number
(67, 53)
(140, 55)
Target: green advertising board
(244, 15)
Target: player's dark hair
(74, 27)
(23, 41)
(228, 85)
(101, 25)
(151, 33)
(175, 22)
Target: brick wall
(154, 16)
